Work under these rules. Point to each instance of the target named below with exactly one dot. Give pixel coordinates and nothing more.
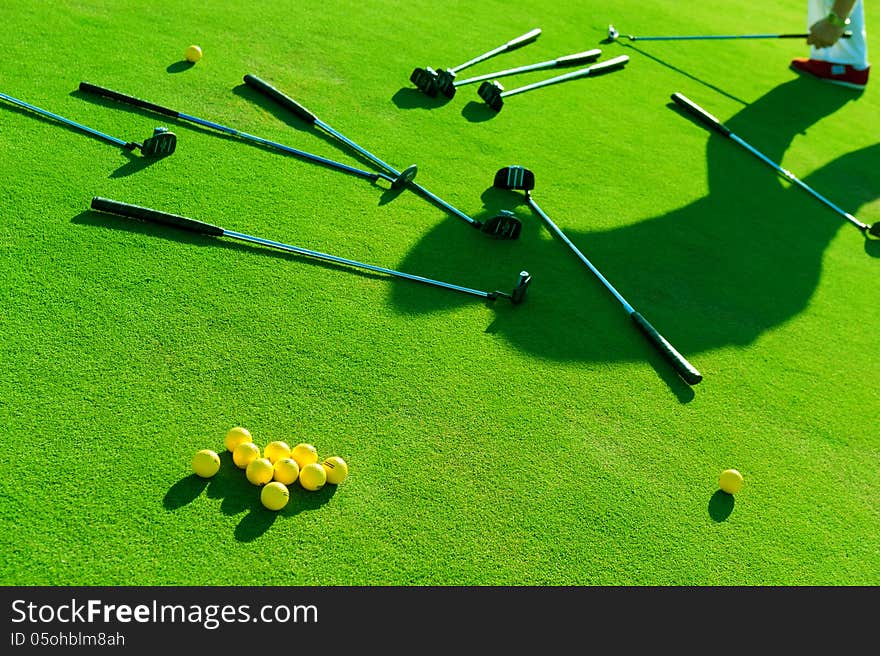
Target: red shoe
(842, 74)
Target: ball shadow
(180, 66)
(184, 491)
(720, 506)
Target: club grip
(684, 368)
(580, 57)
(528, 37)
(154, 216)
(131, 100)
(280, 97)
(700, 114)
(608, 65)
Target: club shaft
(528, 37)
(555, 229)
(353, 263)
(725, 36)
(684, 368)
(289, 103)
(550, 63)
(583, 72)
(317, 159)
(67, 121)
(187, 224)
(790, 176)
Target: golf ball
(193, 54)
(730, 481)
(275, 495)
(244, 453)
(336, 469)
(276, 450)
(206, 463)
(312, 477)
(259, 471)
(286, 470)
(235, 436)
(304, 454)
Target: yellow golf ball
(259, 471)
(286, 470)
(193, 54)
(312, 477)
(235, 436)
(730, 481)
(336, 469)
(304, 454)
(275, 495)
(244, 453)
(276, 450)
(206, 463)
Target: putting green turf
(489, 444)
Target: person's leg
(852, 51)
(846, 62)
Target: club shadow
(478, 112)
(682, 72)
(410, 98)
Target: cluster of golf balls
(275, 468)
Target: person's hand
(823, 34)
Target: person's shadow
(720, 271)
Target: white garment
(853, 51)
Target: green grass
(543, 444)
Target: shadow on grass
(721, 505)
(681, 72)
(718, 272)
(478, 112)
(237, 495)
(180, 66)
(412, 98)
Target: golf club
(520, 178)
(396, 182)
(431, 82)
(503, 226)
(161, 144)
(613, 35)
(559, 62)
(493, 93)
(119, 208)
(714, 124)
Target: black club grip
(700, 114)
(684, 368)
(280, 97)
(131, 100)
(154, 216)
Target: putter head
(514, 177)
(405, 176)
(503, 226)
(425, 80)
(161, 144)
(445, 82)
(874, 230)
(522, 286)
(613, 34)
(490, 92)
